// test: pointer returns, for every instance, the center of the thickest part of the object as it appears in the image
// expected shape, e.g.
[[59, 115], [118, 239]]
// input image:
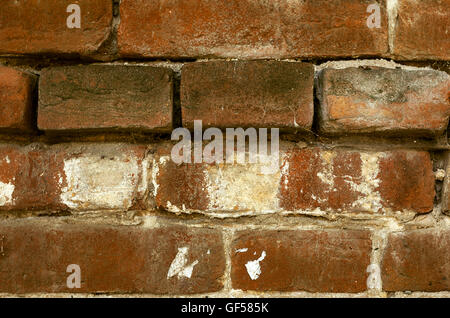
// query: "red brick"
[[345, 180], [116, 259], [384, 101], [105, 97], [417, 260], [16, 98], [248, 94], [407, 181], [72, 177], [313, 261], [335, 181], [182, 186], [422, 30], [40, 27], [249, 29], [28, 178]]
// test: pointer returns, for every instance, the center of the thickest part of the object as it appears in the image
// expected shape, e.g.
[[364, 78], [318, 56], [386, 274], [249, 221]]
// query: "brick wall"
[[356, 203]]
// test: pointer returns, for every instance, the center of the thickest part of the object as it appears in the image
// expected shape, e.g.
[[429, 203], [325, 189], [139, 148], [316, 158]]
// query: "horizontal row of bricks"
[[134, 259], [418, 29], [222, 94], [120, 177]]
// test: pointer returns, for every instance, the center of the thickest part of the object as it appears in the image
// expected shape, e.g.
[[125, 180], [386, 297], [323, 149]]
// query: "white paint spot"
[[179, 267], [253, 267], [96, 183], [370, 200], [327, 176], [242, 250], [246, 187], [285, 171], [7, 159], [6, 192], [155, 172]]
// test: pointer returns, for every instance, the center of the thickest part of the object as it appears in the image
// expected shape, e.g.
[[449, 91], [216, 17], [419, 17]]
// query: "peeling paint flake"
[[6, 192], [179, 265], [96, 183], [254, 268]]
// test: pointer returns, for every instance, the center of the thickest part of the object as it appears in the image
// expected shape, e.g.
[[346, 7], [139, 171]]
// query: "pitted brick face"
[[40, 27], [249, 29], [104, 97], [342, 180], [17, 92], [384, 101], [417, 261], [248, 94], [422, 30], [308, 180]]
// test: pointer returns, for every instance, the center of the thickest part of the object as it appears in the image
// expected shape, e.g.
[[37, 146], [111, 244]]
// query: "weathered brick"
[[314, 261], [101, 97], [345, 180], [417, 260], [446, 186], [117, 259], [102, 176], [248, 94], [72, 177], [28, 178], [381, 100], [216, 187], [16, 99], [250, 28], [422, 30], [40, 27], [306, 179]]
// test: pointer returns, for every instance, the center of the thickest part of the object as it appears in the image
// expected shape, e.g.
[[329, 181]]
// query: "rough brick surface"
[[422, 30], [105, 97], [112, 259], [417, 261], [16, 99], [348, 180], [314, 261], [36, 27], [28, 178], [71, 177], [248, 94], [249, 28], [379, 100], [446, 186], [301, 179]]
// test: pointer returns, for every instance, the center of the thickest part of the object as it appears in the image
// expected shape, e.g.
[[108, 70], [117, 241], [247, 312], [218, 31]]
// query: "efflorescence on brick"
[[351, 200]]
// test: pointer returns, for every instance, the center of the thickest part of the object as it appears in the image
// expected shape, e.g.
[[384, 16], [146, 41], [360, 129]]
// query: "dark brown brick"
[[250, 28], [116, 259], [417, 260], [314, 261], [248, 94], [104, 97]]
